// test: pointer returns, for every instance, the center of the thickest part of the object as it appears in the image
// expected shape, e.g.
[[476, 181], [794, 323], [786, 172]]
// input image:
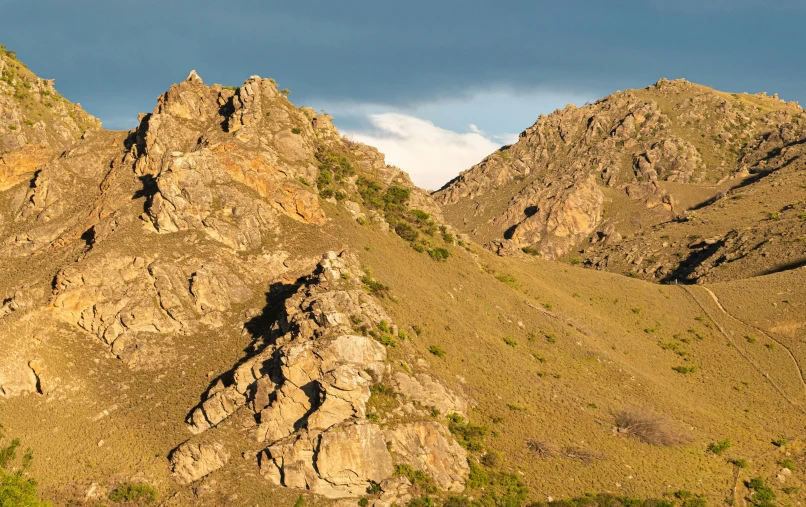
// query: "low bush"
[[468, 435], [139, 493], [719, 447], [439, 254], [762, 495], [437, 351]]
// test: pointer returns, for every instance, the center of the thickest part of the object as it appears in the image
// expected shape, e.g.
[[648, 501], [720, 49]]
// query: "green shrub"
[[740, 463], [510, 341], [16, 488], [403, 335], [507, 279], [326, 193], [387, 340], [530, 250], [341, 195], [788, 463], [779, 442], [296, 130], [418, 247], [437, 351], [685, 369], [286, 92], [304, 181], [763, 495], [325, 178], [12, 127], [468, 435], [575, 261], [439, 254], [719, 447], [140, 493], [406, 231], [30, 123], [300, 501], [374, 287]]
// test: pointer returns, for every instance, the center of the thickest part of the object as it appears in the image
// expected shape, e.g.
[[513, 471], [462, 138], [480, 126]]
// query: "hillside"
[[666, 183], [233, 305]]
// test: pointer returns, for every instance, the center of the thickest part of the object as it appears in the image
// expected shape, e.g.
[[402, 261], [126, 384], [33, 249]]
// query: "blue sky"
[[414, 76]]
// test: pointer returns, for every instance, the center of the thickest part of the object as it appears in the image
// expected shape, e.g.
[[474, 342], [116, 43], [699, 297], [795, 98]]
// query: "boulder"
[[192, 461]]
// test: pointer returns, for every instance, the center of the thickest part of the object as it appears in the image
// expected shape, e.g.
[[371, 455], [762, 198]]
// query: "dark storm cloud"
[[116, 57]]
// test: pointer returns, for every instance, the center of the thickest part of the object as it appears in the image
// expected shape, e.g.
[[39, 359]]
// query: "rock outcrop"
[[612, 164], [190, 462], [308, 388]]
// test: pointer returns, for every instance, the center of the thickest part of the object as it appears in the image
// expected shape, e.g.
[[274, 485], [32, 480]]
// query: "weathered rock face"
[[308, 389], [339, 462], [723, 238], [632, 146], [123, 300], [557, 221], [33, 113], [191, 462], [429, 446]]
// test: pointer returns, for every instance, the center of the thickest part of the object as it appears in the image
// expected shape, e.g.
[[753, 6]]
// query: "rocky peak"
[[36, 123], [627, 146]]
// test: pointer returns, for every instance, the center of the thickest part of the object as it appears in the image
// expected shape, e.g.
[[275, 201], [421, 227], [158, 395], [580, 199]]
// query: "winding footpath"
[[747, 358]]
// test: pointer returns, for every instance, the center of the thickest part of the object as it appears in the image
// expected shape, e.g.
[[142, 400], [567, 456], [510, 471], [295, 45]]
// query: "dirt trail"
[[747, 358], [783, 346]]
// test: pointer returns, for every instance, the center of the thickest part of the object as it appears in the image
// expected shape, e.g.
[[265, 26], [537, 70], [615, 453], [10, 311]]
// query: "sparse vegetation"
[[762, 495], [507, 279], [437, 351], [374, 287], [140, 494], [719, 447], [470, 436]]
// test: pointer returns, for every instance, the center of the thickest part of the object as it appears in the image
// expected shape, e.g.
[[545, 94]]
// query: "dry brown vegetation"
[[647, 427]]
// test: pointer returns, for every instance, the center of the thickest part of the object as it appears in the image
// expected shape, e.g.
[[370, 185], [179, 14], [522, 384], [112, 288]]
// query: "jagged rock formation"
[[753, 227], [36, 123], [605, 170], [308, 388]]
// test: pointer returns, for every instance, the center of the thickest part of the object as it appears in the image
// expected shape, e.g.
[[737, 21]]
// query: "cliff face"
[[595, 174]]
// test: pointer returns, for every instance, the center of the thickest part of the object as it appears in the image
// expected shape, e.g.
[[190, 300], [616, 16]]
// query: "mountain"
[[673, 182], [231, 304]]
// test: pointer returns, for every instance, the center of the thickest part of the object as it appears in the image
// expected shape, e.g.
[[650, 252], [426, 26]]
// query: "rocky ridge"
[[305, 392], [36, 123], [602, 171]]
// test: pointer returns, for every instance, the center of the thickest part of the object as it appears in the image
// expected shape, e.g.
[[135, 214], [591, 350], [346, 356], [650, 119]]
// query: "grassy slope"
[[462, 307]]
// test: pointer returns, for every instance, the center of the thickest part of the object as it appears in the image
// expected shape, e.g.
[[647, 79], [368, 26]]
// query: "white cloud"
[[430, 154]]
